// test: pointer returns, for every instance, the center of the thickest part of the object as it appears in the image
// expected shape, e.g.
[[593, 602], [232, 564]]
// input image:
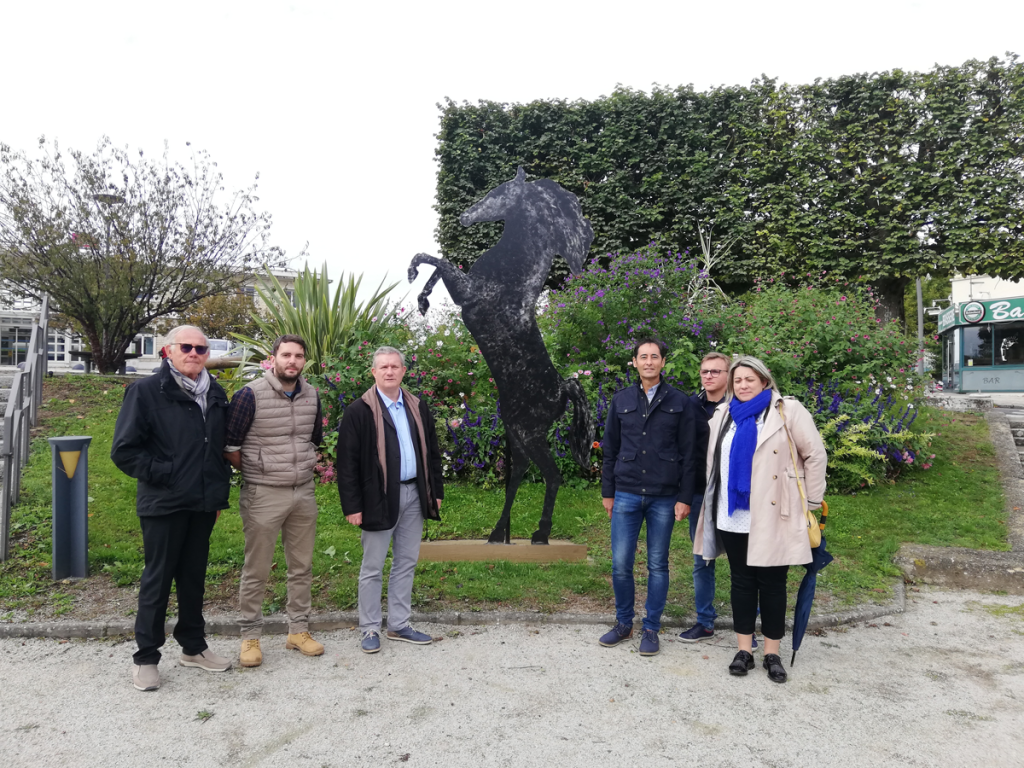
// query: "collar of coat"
[[412, 407], [772, 422], [278, 387]]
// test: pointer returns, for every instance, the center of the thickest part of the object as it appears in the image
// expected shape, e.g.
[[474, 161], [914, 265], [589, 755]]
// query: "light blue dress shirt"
[[408, 450]]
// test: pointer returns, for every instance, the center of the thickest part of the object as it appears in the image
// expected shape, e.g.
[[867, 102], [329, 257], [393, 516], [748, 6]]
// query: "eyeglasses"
[[201, 349], [712, 374]]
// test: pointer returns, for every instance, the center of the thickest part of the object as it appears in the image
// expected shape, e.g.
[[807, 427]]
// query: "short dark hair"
[[650, 340], [289, 338]]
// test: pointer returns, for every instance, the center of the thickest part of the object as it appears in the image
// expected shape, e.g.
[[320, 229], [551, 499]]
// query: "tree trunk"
[[889, 293], [105, 356]]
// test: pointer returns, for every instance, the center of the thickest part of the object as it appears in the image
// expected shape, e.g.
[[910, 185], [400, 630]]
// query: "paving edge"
[[1011, 476], [329, 622]]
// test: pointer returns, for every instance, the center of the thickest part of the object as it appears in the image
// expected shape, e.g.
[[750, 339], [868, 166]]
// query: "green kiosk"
[[983, 346]]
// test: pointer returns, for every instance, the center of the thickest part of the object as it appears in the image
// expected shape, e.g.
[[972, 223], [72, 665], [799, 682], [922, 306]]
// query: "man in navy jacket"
[[648, 476]]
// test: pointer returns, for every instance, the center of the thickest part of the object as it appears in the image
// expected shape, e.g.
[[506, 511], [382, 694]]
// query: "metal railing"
[[21, 415]]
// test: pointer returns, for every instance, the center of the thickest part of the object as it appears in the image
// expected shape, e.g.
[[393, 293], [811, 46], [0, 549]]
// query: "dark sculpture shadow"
[[498, 298]]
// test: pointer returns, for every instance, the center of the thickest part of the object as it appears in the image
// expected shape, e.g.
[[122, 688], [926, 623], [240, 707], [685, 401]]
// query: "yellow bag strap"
[[792, 455]]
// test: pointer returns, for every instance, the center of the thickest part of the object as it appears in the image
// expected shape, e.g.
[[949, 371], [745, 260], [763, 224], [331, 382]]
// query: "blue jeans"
[[703, 574], [628, 514]]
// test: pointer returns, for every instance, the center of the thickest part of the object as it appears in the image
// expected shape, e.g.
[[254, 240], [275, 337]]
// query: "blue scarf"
[[741, 454]]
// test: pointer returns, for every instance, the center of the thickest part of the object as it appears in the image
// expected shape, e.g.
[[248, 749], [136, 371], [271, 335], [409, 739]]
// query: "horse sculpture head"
[[544, 208]]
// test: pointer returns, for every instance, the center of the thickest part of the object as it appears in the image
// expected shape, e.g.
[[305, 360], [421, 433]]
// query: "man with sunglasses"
[[274, 430], [714, 377], [170, 437]]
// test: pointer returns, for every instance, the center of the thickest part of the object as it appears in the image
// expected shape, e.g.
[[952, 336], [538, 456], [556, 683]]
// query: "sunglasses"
[[201, 349]]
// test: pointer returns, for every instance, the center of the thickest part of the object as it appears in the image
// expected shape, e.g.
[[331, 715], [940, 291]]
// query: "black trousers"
[[752, 584], [177, 547]]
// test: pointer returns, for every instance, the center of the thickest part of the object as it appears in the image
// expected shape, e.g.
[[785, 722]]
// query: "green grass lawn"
[[958, 502]]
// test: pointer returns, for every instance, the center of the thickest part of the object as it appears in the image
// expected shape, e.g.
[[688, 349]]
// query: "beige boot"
[[251, 655], [304, 642]]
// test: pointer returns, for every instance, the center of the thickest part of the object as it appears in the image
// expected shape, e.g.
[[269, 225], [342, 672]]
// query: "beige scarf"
[[412, 407]]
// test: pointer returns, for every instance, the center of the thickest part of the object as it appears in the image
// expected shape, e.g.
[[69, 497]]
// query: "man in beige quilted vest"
[[274, 429]]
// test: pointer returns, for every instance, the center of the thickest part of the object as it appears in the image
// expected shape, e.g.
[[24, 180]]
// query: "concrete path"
[[941, 684]]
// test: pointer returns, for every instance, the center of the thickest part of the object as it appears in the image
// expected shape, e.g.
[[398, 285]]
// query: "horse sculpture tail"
[[582, 434]]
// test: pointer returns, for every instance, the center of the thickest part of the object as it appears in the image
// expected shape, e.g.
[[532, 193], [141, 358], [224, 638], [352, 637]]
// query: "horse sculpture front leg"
[[454, 279]]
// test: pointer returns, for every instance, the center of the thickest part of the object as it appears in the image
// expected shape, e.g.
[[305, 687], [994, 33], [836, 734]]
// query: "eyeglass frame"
[[714, 374]]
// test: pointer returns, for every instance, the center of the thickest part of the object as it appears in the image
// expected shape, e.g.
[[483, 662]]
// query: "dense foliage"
[[884, 176]]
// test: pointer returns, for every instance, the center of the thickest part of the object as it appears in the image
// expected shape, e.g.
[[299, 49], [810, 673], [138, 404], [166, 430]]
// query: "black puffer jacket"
[[162, 440]]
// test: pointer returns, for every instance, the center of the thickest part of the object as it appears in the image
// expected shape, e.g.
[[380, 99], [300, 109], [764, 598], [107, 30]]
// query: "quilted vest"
[[278, 449]]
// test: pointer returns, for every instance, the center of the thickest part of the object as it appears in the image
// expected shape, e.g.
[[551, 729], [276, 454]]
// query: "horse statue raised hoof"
[[498, 297]]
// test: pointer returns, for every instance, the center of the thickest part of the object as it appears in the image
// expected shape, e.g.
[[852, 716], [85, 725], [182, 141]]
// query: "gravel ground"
[[941, 684]]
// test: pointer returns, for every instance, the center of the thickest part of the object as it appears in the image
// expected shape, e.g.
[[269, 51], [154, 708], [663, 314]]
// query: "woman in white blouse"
[[753, 505]]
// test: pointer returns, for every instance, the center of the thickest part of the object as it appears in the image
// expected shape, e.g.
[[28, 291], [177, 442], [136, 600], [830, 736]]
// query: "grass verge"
[[958, 502]]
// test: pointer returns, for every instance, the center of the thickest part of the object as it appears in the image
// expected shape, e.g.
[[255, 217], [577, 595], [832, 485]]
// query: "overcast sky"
[[335, 104]]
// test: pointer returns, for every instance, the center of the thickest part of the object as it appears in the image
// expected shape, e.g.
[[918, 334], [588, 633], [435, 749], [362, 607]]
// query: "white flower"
[[447, 332], [440, 343], [910, 406], [462, 394], [463, 405]]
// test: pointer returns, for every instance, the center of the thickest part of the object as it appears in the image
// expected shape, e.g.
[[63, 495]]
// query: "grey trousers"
[[405, 537]]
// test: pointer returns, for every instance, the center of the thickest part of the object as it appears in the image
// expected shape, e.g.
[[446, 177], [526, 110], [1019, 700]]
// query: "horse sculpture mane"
[[498, 298]]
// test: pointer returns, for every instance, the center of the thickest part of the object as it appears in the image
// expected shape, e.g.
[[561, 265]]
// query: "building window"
[[147, 345], [1009, 344], [977, 345]]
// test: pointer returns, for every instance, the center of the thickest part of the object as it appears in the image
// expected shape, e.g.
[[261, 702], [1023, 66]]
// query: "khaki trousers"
[[266, 511]]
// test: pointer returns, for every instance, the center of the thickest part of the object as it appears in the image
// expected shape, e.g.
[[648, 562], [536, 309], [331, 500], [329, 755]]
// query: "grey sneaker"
[[145, 677], [207, 660]]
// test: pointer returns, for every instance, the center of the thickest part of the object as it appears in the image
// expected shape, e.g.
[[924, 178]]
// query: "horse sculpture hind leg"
[[518, 462], [540, 452]]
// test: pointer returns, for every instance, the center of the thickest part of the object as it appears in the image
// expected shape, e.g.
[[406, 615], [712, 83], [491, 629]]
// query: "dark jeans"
[[629, 513], [751, 583], [703, 574], [177, 548]]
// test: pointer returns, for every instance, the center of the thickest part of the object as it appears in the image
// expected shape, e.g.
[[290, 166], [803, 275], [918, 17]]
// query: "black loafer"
[[776, 672], [742, 663]]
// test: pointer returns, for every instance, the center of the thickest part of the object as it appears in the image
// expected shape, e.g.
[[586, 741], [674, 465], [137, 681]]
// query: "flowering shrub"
[[594, 321], [826, 331], [868, 437]]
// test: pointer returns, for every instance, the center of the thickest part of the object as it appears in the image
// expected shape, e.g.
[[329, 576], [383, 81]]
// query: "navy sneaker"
[[753, 643], [696, 633], [649, 645], [615, 636], [409, 635], [371, 642]]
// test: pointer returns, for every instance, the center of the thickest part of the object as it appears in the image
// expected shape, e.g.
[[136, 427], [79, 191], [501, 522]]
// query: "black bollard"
[[70, 507]]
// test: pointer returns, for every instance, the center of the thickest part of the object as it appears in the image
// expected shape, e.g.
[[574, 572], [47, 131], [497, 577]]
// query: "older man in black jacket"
[[647, 477], [170, 437], [389, 481]]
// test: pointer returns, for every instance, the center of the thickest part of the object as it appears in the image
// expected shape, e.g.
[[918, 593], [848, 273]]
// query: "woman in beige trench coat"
[[753, 511]]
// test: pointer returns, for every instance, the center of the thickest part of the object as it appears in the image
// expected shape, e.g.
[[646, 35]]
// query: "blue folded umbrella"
[[805, 596]]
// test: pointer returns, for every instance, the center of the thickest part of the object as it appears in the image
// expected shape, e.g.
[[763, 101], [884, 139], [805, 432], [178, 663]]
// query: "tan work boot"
[[305, 643], [251, 655], [145, 677]]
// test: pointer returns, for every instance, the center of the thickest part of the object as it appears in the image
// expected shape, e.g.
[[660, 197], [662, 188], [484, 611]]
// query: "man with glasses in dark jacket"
[[170, 437], [647, 478]]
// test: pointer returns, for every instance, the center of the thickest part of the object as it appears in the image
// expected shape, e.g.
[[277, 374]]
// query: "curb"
[[329, 622]]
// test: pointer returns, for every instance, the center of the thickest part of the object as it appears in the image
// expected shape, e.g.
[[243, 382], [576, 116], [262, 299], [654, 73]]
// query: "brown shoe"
[[305, 643], [251, 655], [145, 677]]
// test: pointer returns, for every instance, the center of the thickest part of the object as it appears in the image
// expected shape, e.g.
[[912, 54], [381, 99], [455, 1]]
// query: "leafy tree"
[[219, 316], [118, 240]]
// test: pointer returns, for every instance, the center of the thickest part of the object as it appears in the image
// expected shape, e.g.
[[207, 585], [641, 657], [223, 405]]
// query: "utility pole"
[[920, 329]]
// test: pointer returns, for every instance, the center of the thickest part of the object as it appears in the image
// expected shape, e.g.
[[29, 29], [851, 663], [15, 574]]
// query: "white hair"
[[387, 351], [179, 329]]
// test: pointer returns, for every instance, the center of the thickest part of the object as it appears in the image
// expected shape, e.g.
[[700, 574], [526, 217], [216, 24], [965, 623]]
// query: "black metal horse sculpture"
[[498, 298]]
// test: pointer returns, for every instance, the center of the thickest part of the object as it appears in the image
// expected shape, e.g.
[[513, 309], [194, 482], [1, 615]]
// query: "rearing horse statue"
[[498, 298]]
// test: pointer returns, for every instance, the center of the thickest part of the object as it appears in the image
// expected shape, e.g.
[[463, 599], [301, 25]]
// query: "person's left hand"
[[682, 511], [438, 505]]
